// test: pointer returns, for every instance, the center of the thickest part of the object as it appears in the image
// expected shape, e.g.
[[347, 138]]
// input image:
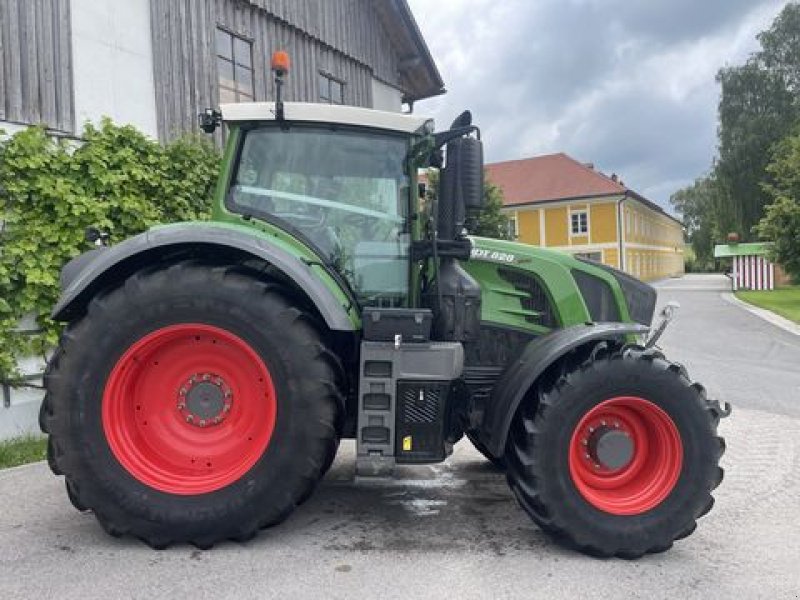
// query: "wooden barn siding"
[[36, 63], [350, 26], [184, 51]]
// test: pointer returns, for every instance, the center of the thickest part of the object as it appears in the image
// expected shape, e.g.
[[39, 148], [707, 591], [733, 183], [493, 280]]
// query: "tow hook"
[[667, 314]]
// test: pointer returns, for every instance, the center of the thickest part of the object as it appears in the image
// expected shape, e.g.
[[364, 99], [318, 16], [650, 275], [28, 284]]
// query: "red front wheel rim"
[[641, 475], [189, 409]]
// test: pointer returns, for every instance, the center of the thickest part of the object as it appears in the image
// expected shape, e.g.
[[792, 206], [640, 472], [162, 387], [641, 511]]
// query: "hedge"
[[116, 179]]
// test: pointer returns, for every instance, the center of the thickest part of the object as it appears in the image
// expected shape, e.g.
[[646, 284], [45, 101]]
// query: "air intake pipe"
[[455, 296]]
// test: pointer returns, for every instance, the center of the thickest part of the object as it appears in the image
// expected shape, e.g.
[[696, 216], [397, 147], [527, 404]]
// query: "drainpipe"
[[621, 232]]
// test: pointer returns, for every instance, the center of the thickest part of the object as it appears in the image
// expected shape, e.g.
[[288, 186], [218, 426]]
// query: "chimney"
[[589, 166], [614, 177]]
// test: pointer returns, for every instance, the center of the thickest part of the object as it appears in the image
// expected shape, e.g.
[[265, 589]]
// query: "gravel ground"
[[453, 530]]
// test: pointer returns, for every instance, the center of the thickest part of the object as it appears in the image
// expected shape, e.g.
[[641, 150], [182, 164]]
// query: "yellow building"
[[558, 202]]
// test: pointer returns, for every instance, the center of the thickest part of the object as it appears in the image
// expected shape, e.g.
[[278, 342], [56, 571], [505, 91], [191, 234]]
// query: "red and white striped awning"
[[753, 273]]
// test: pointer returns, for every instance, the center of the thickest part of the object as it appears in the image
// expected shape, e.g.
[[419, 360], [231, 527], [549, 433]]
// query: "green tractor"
[[208, 370]]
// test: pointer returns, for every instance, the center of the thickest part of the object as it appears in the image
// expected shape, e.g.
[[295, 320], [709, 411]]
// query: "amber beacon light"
[[280, 62]]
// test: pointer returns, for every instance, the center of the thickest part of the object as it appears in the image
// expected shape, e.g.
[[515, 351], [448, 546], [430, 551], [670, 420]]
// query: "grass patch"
[[784, 301], [22, 450]]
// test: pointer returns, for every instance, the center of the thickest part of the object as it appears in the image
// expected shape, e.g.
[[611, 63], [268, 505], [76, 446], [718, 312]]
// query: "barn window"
[[234, 67], [331, 89]]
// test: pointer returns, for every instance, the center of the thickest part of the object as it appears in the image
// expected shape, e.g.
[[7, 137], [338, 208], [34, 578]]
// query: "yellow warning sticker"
[[407, 443]]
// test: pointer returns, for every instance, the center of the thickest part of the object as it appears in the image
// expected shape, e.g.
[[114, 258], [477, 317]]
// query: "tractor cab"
[[341, 179]]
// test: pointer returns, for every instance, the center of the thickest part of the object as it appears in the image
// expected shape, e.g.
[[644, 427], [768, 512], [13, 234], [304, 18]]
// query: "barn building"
[[157, 63]]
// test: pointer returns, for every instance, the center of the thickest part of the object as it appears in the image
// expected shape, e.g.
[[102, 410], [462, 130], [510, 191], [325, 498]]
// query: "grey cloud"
[[581, 76]]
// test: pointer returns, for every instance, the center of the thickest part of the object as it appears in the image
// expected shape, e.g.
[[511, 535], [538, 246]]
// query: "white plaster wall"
[[385, 97], [112, 55], [9, 129]]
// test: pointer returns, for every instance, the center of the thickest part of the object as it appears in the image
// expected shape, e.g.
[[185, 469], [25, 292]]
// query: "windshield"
[[345, 192]]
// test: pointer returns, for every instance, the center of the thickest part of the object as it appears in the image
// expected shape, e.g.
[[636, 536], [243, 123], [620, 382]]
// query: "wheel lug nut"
[[591, 429], [181, 406], [586, 456], [603, 423], [202, 422], [189, 418], [585, 442]]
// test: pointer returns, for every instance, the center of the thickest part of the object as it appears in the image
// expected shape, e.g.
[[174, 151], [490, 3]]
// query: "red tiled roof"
[[550, 177]]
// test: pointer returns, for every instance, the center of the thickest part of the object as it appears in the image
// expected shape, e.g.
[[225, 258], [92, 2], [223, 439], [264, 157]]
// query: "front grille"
[[537, 299], [598, 297], [640, 297]]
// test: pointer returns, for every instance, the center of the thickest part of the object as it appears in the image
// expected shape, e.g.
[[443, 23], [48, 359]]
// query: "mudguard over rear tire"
[[661, 450], [192, 404]]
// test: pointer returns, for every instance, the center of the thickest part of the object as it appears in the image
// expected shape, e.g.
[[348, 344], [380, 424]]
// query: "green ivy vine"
[[116, 179]]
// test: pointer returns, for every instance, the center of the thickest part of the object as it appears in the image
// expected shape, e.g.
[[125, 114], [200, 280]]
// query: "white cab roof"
[[325, 113]]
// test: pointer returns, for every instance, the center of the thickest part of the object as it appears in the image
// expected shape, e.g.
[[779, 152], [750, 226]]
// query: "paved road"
[[735, 354], [453, 530]]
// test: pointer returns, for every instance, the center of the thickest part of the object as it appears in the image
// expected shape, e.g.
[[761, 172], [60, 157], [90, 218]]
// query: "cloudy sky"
[[626, 84]]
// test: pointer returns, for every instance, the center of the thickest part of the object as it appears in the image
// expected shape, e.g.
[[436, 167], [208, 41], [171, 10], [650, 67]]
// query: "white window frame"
[[513, 219], [578, 212]]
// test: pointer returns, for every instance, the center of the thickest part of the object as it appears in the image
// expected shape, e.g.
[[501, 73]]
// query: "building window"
[[513, 227], [331, 90], [234, 68], [579, 220]]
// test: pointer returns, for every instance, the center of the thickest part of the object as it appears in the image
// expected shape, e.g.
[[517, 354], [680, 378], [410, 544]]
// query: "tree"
[[698, 204], [781, 222], [491, 222], [759, 104]]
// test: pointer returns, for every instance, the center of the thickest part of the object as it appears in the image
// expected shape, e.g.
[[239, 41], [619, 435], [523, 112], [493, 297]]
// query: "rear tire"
[[131, 362], [665, 477]]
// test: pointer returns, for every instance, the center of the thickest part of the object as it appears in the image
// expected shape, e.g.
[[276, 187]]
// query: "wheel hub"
[[610, 448], [204, 400], [626, 455]]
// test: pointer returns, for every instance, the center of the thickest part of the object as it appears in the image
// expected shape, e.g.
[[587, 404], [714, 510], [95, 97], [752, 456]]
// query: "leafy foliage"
[[117, 180], [698, 204], [759, 105], [491, 222], [781, 223]]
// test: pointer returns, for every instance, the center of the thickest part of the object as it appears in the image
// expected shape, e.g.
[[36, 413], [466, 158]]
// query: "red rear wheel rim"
[[654, 466], [188, 409]]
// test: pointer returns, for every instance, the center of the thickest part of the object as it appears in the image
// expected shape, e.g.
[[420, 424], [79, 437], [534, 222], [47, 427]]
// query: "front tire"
[[617, 454], [193, 404]]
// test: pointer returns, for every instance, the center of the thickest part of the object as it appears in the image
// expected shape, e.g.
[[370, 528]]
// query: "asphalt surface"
[[453, 530]]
